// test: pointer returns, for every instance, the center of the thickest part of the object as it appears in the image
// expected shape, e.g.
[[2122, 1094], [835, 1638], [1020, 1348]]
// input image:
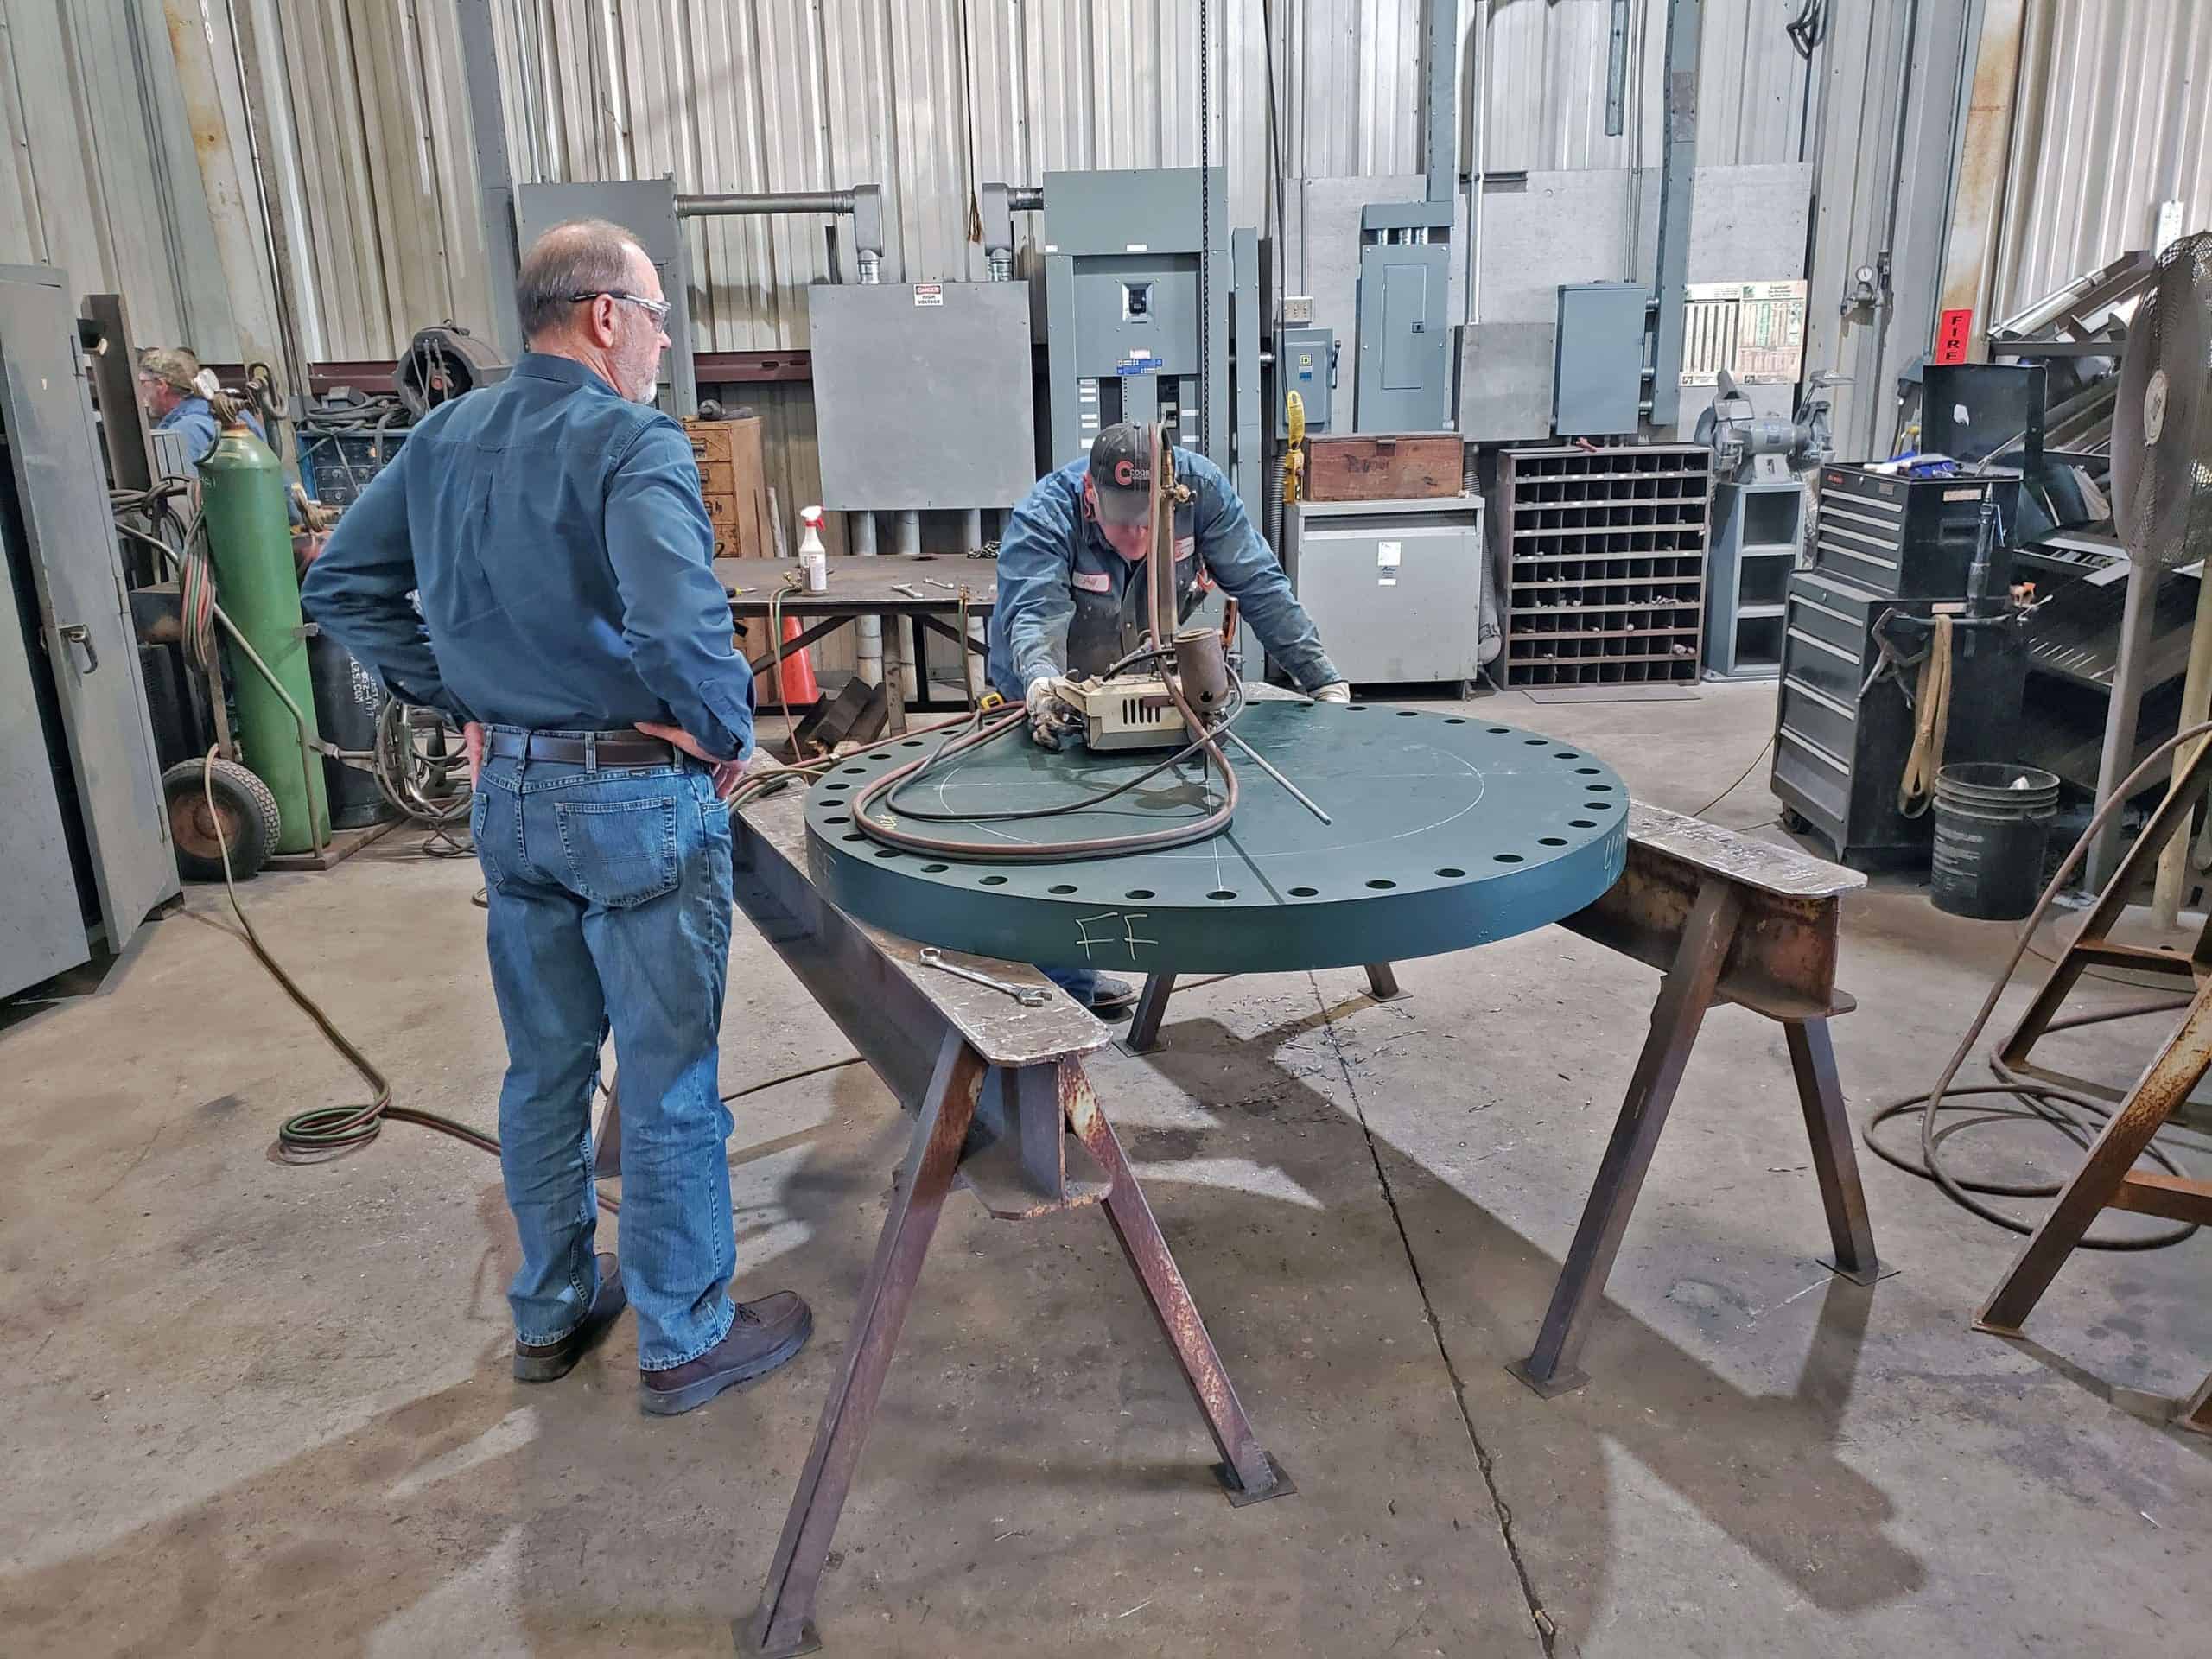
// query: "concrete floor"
[[254, 1410]]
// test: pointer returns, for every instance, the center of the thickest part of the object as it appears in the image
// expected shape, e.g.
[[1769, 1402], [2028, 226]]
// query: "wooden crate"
[[1382, 466], [734, 484]]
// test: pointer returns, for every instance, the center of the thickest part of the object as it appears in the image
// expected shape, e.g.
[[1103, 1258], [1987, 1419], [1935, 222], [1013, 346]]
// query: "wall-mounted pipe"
[[863, 203], [765, 201]]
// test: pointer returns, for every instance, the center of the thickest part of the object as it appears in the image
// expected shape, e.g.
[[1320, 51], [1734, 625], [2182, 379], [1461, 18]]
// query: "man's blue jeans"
[[609, 892], [1081, 983]]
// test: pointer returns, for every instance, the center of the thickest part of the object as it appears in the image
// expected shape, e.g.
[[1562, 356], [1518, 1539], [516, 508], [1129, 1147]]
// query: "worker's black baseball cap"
[[1121, 466]]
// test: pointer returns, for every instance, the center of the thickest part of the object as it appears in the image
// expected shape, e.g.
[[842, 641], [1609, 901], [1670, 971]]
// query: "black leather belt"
[[615, 749]]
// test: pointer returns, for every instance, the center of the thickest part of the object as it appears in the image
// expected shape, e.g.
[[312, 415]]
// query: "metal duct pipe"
[[864, 202], [1025, 198], [868, 632], [765, 201], [910, 542]]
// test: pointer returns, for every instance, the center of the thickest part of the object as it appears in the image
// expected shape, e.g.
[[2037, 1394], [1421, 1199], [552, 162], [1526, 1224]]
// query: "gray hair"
[[584, 256]]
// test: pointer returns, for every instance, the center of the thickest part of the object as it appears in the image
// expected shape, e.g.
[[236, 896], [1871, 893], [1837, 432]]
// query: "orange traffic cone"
[[798, 687]]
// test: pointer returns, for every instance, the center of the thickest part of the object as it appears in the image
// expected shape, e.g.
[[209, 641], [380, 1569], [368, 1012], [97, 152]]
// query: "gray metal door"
[[85, 617], [40, 933]]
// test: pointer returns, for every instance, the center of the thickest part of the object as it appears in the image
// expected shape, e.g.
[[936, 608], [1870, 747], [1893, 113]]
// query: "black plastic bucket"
[[1992, 824], [348, 700]]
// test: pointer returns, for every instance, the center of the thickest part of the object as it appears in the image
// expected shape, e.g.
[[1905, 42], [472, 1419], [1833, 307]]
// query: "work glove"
[[1054, 715], [1334, 691]]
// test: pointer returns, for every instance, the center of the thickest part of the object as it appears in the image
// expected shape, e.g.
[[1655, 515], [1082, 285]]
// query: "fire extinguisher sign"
[[1952, 335]]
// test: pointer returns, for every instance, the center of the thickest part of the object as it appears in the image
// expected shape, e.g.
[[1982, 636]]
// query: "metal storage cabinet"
[[1395, 587], [1911, 537], [1756, 531], [1839, 744]]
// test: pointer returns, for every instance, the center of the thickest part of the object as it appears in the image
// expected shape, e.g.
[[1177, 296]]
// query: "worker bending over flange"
[[1072, 597]]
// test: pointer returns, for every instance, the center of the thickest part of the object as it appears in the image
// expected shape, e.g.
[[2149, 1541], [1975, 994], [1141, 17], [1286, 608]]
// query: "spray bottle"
[[813, 557]]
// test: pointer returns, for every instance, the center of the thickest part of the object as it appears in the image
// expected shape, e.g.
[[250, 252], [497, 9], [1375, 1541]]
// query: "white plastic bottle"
[[813, 557]]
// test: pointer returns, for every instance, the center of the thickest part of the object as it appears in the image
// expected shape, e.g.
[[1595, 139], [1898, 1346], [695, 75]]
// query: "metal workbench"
[[884, 586]]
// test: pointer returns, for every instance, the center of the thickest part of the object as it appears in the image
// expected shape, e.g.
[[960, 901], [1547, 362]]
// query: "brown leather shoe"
[[765, 1335], [544, 1362]]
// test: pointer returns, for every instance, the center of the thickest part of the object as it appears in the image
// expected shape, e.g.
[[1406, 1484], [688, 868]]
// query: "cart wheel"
[[245, 810]]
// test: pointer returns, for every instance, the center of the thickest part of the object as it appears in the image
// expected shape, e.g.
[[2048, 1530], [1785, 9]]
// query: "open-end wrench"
[[1030, 996]]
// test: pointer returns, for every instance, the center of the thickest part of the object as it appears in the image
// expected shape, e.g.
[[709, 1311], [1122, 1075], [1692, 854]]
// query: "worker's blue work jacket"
[[195, 418], [1069, 604], [564, 561]]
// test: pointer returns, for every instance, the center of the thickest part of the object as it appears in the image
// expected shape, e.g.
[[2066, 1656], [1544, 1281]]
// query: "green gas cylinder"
[[250, 537]]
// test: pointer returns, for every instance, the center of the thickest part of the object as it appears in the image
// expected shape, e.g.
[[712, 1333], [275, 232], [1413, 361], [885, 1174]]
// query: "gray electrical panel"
[[889, 360], [646, 208], [1305, 363], [1598, 383], [1147, 294], [1395, 587], [1405, 340], [1131, 332]]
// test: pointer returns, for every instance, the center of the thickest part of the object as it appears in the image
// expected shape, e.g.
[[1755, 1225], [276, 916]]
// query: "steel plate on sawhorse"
[[1447, 830]]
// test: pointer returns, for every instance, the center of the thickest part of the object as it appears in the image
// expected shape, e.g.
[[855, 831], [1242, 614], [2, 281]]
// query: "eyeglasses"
[[657, 309]]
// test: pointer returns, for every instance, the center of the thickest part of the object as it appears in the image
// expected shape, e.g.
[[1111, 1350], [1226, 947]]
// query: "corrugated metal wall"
[[1544, 97], [926, 97], [124, 122], [929, 98], [104, 178], [2115, 116]]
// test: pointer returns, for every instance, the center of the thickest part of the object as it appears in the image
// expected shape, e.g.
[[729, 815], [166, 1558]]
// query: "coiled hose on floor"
[[322, 1133], [2079, 1117]]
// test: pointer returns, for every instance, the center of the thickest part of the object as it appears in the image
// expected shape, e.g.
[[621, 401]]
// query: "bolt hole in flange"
[[1380, 885], [1061, 887], [1221, 892], [1449, 874], [993, 882], [1304, 893]]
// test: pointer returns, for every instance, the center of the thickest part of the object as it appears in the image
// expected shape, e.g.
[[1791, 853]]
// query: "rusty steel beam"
[[877, 1007], [712, 368], [784, 1623], [1978, 195], [1246, 1470], [2195, 1413], [1828, 1126], [1781, 962], [2182, 1060], [1684, 995]]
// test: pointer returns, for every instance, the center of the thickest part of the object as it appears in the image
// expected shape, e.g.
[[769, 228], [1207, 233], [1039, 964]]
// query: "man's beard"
[[640, 379]]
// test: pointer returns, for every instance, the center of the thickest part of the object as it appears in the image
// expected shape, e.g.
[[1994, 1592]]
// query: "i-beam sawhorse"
[[1002, 1105], [1726, 919]]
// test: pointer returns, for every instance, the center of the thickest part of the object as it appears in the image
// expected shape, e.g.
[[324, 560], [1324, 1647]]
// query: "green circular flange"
[[1448, 831]]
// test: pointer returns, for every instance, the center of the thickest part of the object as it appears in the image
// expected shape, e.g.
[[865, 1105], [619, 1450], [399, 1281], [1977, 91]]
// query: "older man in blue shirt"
[[175, 388], [1071, 596], [553, 528]]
